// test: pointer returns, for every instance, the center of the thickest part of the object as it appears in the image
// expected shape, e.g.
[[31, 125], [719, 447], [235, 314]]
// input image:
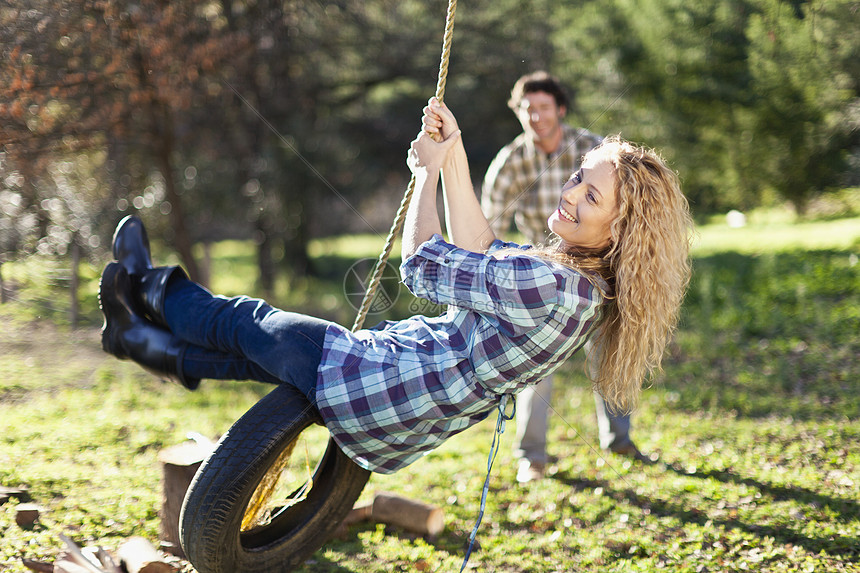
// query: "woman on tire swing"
[[616, 270]]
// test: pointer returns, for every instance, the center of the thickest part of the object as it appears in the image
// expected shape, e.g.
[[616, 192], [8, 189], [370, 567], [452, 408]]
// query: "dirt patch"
[[59, 357], [45, 341]]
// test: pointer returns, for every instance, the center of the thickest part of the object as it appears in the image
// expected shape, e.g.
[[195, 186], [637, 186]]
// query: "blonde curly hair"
[[646, 266]]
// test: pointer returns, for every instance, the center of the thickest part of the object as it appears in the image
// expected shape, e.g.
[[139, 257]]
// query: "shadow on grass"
[[845, 546], [847, 508], [319, 563], [346, 541], [769, 334]]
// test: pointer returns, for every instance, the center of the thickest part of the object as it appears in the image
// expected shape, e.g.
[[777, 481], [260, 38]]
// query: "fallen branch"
[[140, 556], [179, 463], [76, 556]]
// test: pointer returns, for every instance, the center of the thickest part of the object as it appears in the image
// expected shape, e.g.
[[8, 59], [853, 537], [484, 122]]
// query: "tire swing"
[[239, 515]]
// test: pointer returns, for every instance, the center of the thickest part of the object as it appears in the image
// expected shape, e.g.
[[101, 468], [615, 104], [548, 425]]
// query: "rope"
[[494, 449], [386, 252], [407, 197]]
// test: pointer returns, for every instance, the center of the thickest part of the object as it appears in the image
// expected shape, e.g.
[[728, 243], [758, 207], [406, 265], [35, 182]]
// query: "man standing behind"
[[524, 181]]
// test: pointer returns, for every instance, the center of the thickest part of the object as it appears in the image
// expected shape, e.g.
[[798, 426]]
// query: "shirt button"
[[447, 260]]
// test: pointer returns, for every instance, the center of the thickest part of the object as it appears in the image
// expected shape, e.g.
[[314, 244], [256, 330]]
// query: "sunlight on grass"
[[772, 237], [762, 235]]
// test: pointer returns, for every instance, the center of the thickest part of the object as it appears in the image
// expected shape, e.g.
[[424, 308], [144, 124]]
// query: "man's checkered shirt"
[[525, 183]]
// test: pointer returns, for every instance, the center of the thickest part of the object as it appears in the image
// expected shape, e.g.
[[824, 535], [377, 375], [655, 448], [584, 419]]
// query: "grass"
[[753, 427], [778, 236]]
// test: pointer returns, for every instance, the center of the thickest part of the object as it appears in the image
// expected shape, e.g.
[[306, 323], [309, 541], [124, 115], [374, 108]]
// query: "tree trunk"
[[264, 257], [73, 284], [181, 240], [2, 285]]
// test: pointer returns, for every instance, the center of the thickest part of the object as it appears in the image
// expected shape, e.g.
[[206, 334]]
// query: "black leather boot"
[[149, 290], [131, 249], [131, 246], [127, 334]]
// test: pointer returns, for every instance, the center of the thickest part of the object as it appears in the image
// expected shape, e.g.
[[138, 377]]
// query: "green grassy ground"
[[753, 428]]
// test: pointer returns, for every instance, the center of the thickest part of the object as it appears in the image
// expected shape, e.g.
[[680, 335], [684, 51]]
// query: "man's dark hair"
[[539, 81]]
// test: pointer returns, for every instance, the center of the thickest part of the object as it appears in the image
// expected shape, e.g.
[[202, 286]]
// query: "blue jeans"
[[243, 338]]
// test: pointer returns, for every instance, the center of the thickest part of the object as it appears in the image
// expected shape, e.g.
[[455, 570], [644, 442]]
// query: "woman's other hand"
[[426, 155]]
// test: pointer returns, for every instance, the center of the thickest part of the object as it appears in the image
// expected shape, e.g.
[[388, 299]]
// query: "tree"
[[672, 75], [91, 75], [805, 88]]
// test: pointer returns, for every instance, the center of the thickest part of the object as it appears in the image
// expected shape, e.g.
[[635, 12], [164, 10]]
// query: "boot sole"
[[109, 306]]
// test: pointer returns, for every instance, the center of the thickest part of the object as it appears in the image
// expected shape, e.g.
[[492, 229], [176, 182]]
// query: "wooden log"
[[178, 465], [409, 514], [26, 514], [101, 558], [17, 492], [396, 510], [21, 493], [140, 556], [39, 566]]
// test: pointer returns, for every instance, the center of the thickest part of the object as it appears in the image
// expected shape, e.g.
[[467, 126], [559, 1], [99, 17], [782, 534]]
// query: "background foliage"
[[282, 120]]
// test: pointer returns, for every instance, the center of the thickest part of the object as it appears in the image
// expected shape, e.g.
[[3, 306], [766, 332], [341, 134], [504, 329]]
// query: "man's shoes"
[[629, 450], [529, 471]]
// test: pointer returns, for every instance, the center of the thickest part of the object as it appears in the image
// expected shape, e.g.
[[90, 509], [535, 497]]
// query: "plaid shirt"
[[392, 393], [525, 183]]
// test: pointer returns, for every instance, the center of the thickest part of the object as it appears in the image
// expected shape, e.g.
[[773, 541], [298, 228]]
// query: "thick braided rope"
[[407, 197]]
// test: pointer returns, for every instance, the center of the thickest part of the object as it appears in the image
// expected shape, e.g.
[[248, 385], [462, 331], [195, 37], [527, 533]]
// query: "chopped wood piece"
[[26, 514], [107, 561], [178, 465], [140, 556], [40, 566], [393, 509], [76, 556], [101, 559], [407, 513], [13, 491]]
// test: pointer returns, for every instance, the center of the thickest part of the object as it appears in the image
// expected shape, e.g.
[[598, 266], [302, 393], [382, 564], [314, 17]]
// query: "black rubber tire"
[[222, 488]]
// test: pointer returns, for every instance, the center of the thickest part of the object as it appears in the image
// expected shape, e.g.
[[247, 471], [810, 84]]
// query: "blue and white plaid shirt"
[[390, 394]]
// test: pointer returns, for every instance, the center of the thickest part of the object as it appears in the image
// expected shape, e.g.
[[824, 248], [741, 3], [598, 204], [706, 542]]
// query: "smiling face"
[[587, 208], [540, 116]]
